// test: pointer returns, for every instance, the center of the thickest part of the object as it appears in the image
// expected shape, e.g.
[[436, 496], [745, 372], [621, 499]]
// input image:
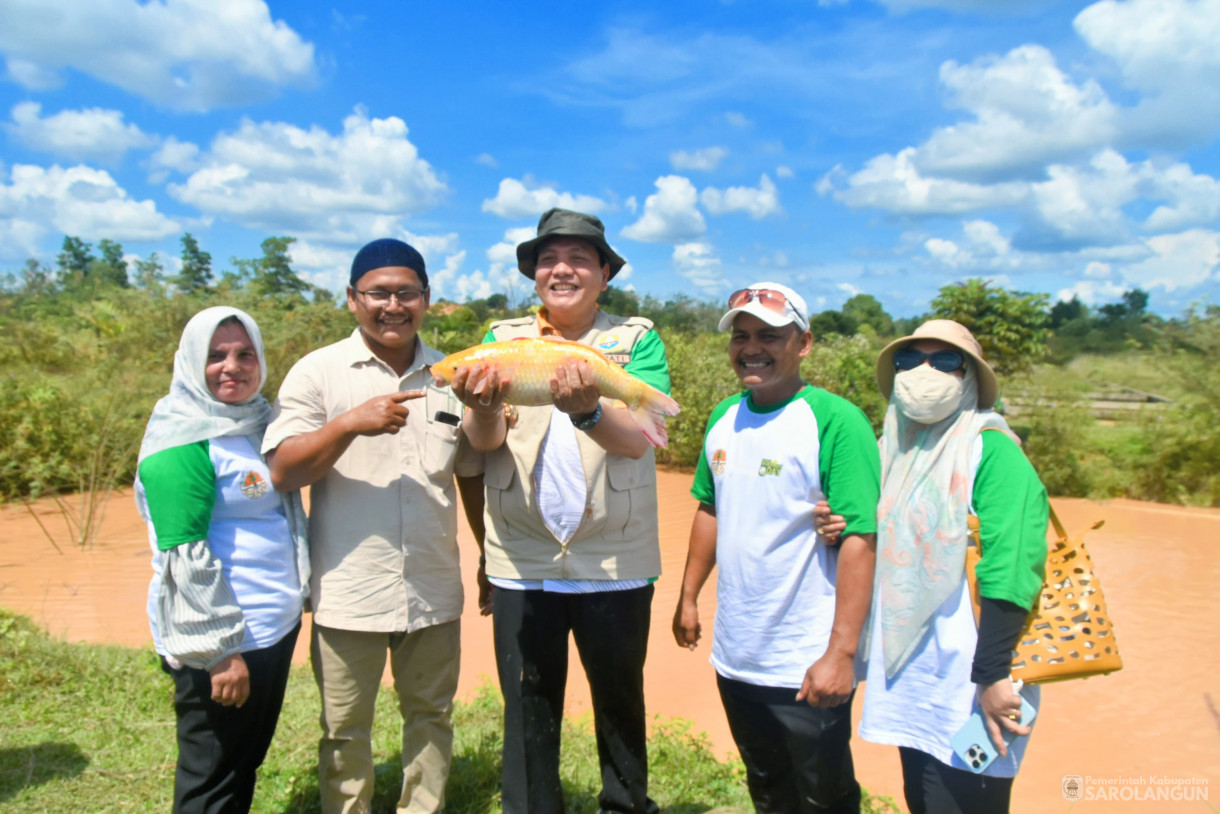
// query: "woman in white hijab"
[[230, 569], [929, 664]]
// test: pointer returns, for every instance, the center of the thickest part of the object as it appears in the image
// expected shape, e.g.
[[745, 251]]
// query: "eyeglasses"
[[405, 296], [770, 299], [946, 361]]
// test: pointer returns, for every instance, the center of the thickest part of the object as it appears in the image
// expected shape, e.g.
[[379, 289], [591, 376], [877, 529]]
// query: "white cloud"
[[81, 135], [1096, 270], [1166, 49], [175, 155], [80, 201], [757, 202], [1177, 261], [783, 171], [738, 120], [184, 54], [342, 188], [1084, 204], [519, 199], [698, 263], [670, 215], [487, 160], [705, 160], [1192, 200], [1091, 292], [1028, 113], [894, 183], [31, 76]]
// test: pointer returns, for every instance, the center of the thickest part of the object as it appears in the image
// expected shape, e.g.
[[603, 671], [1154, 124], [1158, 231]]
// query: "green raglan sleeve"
[[1013, 510], [648, 362], [180, 488], [704, 487], [849, 464]]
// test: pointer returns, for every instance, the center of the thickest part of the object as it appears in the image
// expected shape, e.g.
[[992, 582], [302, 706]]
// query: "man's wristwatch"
[[584, 423]]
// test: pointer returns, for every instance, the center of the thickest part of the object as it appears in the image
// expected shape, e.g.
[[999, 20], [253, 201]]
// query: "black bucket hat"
[[566, 223]]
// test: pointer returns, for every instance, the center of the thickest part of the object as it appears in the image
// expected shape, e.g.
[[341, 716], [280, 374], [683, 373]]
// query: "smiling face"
[[232, 373], [389, 328], [569, 277], [767, 359]]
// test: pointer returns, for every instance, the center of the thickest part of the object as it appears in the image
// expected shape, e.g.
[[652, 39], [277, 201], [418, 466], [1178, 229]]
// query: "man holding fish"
[[358, 421], [571, 515]]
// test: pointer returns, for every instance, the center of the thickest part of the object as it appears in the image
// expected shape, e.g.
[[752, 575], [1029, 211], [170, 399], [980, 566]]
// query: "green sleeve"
[[1012, 508], [648, 362], [849, 464], [180, 489], [704, 487], [490, 337]]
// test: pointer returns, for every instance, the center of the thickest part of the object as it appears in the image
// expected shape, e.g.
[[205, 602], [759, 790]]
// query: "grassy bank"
[[90, 728]]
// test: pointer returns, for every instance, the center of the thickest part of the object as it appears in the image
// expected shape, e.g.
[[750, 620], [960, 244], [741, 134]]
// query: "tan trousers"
[[348, 665]]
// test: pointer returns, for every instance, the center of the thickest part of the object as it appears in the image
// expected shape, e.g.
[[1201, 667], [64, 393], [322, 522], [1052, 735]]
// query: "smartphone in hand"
[[973, 744]]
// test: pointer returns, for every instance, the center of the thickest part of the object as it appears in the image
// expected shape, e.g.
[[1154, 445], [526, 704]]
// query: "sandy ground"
[[1158, 720]]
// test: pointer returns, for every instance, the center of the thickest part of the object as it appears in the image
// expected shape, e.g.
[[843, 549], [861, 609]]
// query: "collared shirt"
[[382, 521]]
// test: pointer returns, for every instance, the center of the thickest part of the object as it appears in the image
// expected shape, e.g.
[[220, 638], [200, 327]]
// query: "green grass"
[[90, 728]]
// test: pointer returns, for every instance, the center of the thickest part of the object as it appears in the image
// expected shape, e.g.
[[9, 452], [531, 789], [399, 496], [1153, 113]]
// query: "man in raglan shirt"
[[789, 608]]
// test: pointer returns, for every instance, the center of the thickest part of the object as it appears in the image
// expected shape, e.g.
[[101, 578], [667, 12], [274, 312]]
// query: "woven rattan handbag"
[[1068, 634]]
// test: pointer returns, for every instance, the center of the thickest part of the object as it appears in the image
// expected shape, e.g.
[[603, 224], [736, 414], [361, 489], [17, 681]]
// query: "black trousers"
[[531, 637], [931, 787], [797, 757], [220, 748]]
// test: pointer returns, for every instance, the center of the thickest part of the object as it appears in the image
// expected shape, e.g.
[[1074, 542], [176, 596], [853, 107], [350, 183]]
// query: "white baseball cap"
[[774, 303]]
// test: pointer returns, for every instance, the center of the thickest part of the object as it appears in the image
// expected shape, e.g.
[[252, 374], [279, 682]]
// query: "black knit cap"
[[566, 223], [387, 252]]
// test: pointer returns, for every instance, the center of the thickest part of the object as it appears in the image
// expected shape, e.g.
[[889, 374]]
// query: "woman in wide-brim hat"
[[929, 664]]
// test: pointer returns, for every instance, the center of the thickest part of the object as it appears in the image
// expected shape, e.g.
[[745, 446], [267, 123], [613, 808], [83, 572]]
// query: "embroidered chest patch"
[[718, 459], [253, 486]]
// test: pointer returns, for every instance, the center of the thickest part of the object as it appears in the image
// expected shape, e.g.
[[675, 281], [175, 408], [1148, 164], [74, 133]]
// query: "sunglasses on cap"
[[768, 298], [946, 361]]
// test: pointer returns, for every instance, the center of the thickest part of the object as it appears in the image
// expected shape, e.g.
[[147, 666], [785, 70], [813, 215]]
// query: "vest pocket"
[[631, 485]]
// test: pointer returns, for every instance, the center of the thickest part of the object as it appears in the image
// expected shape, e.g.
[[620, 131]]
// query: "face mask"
[[926, 395]]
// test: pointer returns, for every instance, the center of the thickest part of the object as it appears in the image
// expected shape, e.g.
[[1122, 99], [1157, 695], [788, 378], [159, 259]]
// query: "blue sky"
[[838, 146]]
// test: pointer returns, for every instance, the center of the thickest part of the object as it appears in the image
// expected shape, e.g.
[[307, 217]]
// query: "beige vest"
[[617, 539]]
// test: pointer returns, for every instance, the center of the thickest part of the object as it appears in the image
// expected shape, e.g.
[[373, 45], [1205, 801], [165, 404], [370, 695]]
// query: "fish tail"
[[650, 414]]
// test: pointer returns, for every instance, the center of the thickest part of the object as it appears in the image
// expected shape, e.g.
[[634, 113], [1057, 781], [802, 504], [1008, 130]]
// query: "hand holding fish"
[[574, 388], [480, 387]]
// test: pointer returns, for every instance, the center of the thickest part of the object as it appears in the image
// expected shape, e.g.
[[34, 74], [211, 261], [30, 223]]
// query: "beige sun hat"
[[953, 333]]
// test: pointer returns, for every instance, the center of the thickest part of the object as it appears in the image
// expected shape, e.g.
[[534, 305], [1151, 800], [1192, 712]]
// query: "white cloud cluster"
[[79, 201], [698, 262], [670, 214], [519, 199], [757, 202], [183, 54], [1050, 153], [703, 160], [342, 188], [80, 135]]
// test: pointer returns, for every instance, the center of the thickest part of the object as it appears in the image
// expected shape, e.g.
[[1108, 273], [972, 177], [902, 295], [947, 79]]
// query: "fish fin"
[[650, 414]]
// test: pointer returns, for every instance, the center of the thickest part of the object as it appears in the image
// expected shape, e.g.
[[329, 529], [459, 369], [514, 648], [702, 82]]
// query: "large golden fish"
[[529, 364]]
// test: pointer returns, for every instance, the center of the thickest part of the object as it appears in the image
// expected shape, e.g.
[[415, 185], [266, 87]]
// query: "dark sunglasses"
[[946, 361]]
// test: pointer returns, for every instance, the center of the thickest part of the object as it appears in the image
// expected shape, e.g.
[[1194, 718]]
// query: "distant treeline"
[[88, 349]]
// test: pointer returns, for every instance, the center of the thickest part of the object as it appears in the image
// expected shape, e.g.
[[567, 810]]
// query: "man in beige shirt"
[[358, 421]]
